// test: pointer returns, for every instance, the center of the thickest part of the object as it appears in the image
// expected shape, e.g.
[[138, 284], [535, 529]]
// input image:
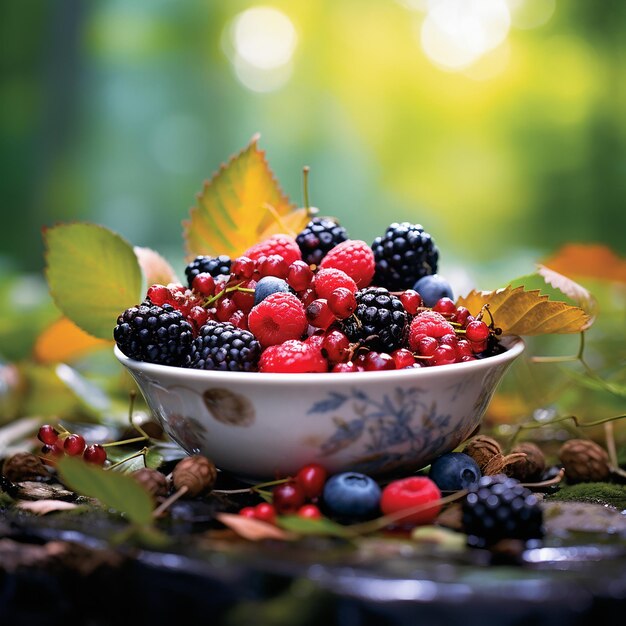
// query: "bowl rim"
[[514, 347]]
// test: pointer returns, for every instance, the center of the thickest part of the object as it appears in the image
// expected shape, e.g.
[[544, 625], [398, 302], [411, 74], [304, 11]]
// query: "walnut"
[[153, 481], [23, 466], [584, 461], [483, 449], [530, 468], [196, 473]]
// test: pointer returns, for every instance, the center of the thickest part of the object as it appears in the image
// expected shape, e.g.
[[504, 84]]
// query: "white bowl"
[[266, 425]]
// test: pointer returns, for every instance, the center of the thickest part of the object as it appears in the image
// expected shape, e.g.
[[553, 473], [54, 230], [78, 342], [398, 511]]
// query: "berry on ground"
[[278, 318], [282, 245], [288, 497], [408, 493], [311, 479], [318, 237], [74, 445], [454, 471], [95, 453], [355, 258], [48, 434], [351, 495], [309, 511]]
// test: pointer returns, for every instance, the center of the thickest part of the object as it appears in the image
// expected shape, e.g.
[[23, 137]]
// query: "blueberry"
[[454, 471], [352, 495], [267, 286], [432, 288]]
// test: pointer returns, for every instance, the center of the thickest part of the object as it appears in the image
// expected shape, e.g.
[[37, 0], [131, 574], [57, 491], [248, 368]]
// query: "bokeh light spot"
[[526, 14]]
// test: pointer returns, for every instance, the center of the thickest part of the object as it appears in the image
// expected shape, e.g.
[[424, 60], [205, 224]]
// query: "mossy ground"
[[598, 493]]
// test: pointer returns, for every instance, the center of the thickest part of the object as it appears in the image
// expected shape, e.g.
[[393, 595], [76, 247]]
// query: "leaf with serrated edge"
[[242, 204], [93, 275], [113, 489], [520, 312]]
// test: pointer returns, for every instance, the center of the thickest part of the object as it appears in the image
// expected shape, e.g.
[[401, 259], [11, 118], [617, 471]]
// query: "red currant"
[[342, 302], [95, 453], [336, 347], [378, 361], [426, 346], [411, 301], [445, 306], [449, 340], [461, 316], [307, 296], [299, 276], [204, 284], [243, 267], [159, 294], [244, 299], [239, 319], [198, 316], [274, 265], [311, 479], [48, 434], [411, 492], [477, 331], [318, 314], [463, 348], [248, 511], [265, 512], [288, 497], [342, 368], [74, 445], [478, 346], [443, 355], [224, 309], [403, 358], [309, 511]]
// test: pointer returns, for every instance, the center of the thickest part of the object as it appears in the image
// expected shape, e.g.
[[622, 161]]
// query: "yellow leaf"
[[155, 268], [590, 260], [63, 341], [242, 204], [520, 312]]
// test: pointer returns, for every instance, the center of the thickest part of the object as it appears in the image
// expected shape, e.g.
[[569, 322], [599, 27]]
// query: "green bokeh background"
[[115, 112]]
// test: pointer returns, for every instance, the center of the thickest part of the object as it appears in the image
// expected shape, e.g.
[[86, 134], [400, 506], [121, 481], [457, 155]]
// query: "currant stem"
[[305, 188], [141, 453], [124, 442], [131, 408], [230, 289], [169, 501]]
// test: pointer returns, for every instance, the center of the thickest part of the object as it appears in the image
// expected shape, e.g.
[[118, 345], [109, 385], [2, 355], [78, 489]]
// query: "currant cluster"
[[57, 444], [318, 302]]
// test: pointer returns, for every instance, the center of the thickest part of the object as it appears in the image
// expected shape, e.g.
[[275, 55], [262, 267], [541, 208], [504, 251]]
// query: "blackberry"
[[155, 334], [214, 265], [379, 321], [403, 255], [319, 236], [499, 507], [223, 346]]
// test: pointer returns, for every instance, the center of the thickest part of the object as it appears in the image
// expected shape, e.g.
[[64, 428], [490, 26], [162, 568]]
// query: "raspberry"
[[329, 279], [223, 346], [407, 493], [403, 255], [355, 258], [318, 237], [215, 266], [292, 357], [379, 320], [277, 318], [428, 324], [499, 507], [155, 334], [281, 245]]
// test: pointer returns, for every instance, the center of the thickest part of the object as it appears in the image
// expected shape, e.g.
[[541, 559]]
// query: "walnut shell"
[[483, 449], [530, 468], [584, 461], [197, 473], [152, 481], [23, 466]]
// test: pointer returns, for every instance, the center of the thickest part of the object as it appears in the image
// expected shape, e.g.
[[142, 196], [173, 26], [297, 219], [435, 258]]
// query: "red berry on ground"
[[95, 453], [265, 512], [299, 276], [248, 511], [288, 497], [309, 511], [48, 434], [283, 245], [292, 357], [278, 318], [311, 479], [355, 258], [411, 492], [74, 445]]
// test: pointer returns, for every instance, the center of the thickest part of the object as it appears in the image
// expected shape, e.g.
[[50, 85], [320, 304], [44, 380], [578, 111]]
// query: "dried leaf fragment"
[[253, 529]]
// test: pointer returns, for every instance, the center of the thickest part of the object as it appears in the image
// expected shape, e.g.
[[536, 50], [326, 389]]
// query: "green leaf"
[[305, 526], [93, 275], [113, 489]]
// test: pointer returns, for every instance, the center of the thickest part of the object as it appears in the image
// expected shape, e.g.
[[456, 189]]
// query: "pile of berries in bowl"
[[315, 348]]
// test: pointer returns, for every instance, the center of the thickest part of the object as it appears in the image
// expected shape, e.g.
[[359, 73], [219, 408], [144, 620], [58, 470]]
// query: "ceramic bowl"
[[263, 425]]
